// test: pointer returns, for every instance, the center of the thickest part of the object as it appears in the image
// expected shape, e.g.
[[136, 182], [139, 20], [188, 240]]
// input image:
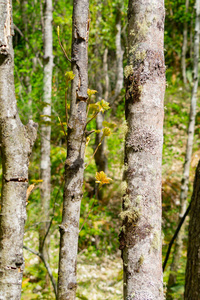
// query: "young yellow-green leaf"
[[87, 141], [111, 125], [58, 30], [102, 178], [104, 105], [106, 131], [95, 107], [91, 92], [37, 180], [69, 76]]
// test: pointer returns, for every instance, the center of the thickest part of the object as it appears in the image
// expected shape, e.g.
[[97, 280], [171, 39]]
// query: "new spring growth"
[[100, 106], [91, 92], [69, 76], [106, 132], [102, 179]]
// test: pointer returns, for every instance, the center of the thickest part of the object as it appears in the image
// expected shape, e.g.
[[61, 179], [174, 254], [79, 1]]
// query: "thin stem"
[[66, 111], [92, 118], [54, 207], [175, 236], [87, 216], [93, 155], [47, 266], [88, 109], [62, 127], [63, 49]]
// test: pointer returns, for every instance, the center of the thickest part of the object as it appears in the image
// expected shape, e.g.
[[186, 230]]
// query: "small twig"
[[63, 50], [27, 40], [93, 155], [87, 133], [88, 108], [47, 266], [92, 118], [87, 216], [51, 221], [66, 111], [175, 235], [62, 127]]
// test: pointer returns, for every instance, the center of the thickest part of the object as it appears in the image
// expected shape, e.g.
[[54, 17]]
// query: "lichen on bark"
[[16, 145], [145, 87]]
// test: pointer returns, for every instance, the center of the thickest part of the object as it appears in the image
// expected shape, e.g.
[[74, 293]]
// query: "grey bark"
[[74, 165], [105, 71], [16, 145], [140, 237], [119, 55], [24, 7], [188, 155], [184, 46], [192, 278], [45, 163]]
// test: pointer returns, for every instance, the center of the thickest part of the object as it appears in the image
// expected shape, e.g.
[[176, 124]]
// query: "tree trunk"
[[119, 55], [184, 46], [192, 278], [16, 145], [100, 156], [188, 156], [140, 237], [45, 163], [24, 9], [74, 165]]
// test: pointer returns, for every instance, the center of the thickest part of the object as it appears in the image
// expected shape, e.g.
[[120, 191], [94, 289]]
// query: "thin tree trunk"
[[140, 237], [100, 157], [119, 55], [105, 71], [24, 9], [184, 46], [192, 278], [45, 163], [191, 36], [188, 156], [74, 165], [16, 146]]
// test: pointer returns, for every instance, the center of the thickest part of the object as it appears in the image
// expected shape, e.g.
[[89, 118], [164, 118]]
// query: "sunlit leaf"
[[106, 131], [102, 178], [91, 92], [69, 76]]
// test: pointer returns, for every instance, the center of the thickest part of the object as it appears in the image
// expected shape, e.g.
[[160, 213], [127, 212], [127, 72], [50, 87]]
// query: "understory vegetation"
[[99, 272]]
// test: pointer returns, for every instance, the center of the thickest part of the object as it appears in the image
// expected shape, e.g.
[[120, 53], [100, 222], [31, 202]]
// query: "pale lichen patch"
[[130, 215], [128, 70], [156, 241]]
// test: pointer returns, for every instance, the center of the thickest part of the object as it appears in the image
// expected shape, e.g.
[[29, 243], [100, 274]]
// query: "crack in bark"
[[16, 179]]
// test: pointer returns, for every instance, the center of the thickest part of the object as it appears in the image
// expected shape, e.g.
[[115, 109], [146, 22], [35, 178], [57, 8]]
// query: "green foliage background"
[[99, 237]]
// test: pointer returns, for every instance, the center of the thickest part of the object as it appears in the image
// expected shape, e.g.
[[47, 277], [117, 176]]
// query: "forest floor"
[[100, 278]]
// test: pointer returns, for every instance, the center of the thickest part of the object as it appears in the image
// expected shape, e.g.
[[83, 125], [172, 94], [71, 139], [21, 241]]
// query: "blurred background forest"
[[99, 263]]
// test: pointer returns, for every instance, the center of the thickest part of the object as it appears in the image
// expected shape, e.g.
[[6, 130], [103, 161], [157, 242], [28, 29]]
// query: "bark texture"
[[16, 145], [188, 155], [27, 81], [192, 278], [140, 237], [45, 163], [184, 46], [119, 54], [74, 165]]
